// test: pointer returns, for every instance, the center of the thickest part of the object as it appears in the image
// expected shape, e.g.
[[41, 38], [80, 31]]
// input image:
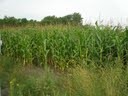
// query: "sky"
[[105, 11]]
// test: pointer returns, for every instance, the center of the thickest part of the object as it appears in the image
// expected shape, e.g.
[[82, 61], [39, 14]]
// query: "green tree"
[[77, 19], [72, 19], [49, 20], [24, 21]]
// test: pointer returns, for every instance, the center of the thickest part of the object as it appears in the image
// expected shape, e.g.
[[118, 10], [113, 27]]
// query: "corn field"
[[64, 61], [65, 46]]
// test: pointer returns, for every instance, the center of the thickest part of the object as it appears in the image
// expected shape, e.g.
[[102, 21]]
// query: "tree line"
[[72, 19]]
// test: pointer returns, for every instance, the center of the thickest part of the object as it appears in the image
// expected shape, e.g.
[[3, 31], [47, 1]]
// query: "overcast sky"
[[91, 10]]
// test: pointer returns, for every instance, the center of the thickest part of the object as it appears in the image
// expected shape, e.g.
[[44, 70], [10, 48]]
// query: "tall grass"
[[77, 82]]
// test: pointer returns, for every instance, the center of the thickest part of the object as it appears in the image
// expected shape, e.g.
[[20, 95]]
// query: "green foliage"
[[49, 20], [14, 22], [72, 19]]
